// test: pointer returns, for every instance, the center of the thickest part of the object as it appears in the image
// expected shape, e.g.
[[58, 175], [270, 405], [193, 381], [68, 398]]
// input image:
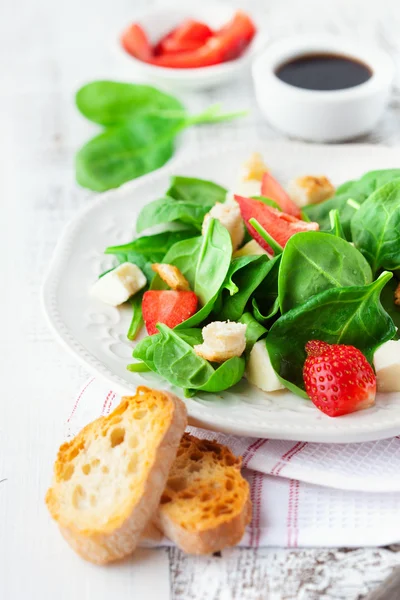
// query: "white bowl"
[[160, 21], [322, 116]]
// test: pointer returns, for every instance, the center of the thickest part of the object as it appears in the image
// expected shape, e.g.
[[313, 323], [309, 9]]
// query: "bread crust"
[[118, 537], [202, 470]]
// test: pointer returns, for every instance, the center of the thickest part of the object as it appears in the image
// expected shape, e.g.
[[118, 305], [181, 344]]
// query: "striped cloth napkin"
[[303, 494]]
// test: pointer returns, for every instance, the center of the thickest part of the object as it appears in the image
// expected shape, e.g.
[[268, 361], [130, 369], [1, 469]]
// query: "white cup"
[[322, 116]]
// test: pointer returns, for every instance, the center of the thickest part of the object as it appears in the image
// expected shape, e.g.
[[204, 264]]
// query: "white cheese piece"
[[222, 340], [387, 366], [310, 190], [252, 248], [259, 370], [228, 214], [117, 286]]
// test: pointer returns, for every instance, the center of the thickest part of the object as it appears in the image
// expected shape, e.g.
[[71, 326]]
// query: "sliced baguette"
[[109, 479], [206, 504]]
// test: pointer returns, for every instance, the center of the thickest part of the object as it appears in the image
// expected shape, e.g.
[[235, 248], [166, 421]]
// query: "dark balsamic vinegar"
[[324, 72]]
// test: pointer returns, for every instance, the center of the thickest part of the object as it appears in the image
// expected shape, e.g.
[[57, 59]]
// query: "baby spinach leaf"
[[185, 256], [144, 350], [359, 190], [244, 276], [122, 153], [177, 362], [266, 295], [137, 316], [138, 367], [191, 336], [167, 210], [152, 246], [196, 191], [111, 103], [313, 262], [387, 299], [212, 267], [253, 330], [350, 315], [225, 376], [214, 260], [375, 228], [272, 312], [336, 226]]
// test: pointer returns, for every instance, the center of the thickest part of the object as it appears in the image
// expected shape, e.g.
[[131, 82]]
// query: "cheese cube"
[[259, 370], [228, 214], [117, 286], [387, 366]]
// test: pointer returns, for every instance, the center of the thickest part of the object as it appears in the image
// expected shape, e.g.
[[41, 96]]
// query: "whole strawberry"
[[338, 378]]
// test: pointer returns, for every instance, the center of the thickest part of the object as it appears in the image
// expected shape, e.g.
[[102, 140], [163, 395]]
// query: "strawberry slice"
[[279, 225], [270, 188], [168, 307], [135, 41], [338, 378]]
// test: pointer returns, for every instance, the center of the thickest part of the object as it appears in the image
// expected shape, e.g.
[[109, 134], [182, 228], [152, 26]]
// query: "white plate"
[[96, 333]]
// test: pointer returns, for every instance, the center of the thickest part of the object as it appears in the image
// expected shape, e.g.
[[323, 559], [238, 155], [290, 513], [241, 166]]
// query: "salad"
[[291, 288]]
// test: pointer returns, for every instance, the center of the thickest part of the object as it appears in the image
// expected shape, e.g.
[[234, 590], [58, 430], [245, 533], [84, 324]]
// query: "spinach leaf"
[[191, 336], [387, 299], [253, 331], [138, 367], [177, 362], [122, 153], [196, 191], [212, 267], [137, 316], [359, 190], [336, 226], [313, 262], [244, 276], [144, 350], [375, 228], [185, 256], [214, 260], [167, 210], [143, 262], [272, 312], [225, 376], [152, 246], [266, 295], [111, 103], [350, 315]]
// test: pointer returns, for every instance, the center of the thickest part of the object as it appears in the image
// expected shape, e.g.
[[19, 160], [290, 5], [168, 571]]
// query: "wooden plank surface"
[[48, 49]]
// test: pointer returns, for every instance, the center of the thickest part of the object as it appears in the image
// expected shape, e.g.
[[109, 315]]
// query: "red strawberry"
[[168, 307], [338, 378], [279, 225], [270, 188]]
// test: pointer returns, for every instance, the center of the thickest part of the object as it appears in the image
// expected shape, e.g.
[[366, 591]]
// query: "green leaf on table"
[[349, 315], [122, 153], [358, 190], [313, 262], [375, 228], [111, 103]]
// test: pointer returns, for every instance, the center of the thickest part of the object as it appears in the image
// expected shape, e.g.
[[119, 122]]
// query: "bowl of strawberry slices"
[[191, 46]]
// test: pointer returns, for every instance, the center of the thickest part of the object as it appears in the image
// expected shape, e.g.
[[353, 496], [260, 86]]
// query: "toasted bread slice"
[[206, 504], [109, 479]]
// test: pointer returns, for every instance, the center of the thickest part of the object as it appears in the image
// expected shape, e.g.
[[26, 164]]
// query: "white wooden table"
[[48, 49]]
